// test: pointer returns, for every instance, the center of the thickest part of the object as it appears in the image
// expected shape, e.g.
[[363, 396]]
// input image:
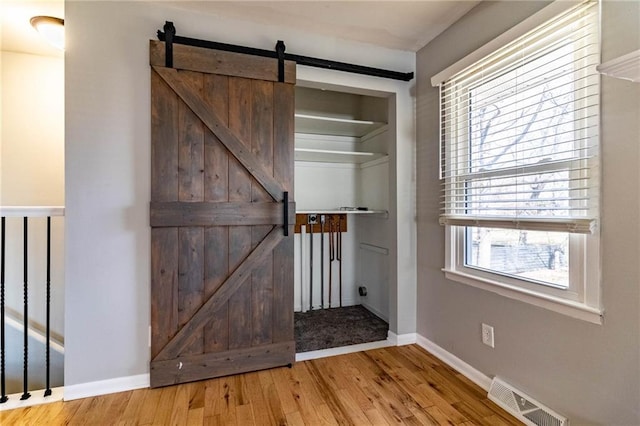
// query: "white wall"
[[325, 186], [107, 168], [32, 158], [588, 372]]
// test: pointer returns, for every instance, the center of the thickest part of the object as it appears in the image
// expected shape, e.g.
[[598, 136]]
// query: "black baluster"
[[47, 391], [3, 397], [26, 394]]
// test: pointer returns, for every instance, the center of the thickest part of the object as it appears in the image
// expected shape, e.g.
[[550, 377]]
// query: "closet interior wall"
[[341, 145]]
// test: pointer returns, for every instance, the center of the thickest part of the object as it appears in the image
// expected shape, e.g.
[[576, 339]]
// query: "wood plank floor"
[[395, 385]]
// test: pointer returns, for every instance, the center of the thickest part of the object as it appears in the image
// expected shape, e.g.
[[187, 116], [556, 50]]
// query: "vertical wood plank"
[[262, 148], [239, 119], [240, 303], [239, 236], [262, 132], [216, 189], [190, 188], [164, 187], [216, 174], [283, 169], [216, 254], [164, 287], [191, 146], [164, 150], [283, 135], [190, 281]]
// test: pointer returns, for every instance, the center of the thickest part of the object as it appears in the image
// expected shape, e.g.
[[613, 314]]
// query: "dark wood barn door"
[[221, 161]]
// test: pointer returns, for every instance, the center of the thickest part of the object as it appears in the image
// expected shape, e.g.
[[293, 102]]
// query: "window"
[[519, 166]]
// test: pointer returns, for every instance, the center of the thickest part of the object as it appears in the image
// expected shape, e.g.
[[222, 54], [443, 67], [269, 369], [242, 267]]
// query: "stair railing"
[[26, 213]]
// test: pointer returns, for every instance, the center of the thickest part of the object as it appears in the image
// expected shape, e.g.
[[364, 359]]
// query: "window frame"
[[584, 275], [581, 300]]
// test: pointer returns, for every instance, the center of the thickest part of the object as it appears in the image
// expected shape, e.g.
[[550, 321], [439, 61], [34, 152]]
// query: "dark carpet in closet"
[[335, 327]]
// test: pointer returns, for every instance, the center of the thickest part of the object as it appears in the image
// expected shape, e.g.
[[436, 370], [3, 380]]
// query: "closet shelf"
[[323, 125], [338, 211], [331, 156]]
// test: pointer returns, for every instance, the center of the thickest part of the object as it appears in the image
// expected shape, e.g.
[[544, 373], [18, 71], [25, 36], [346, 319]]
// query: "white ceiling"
[[16, 32], [403, 25]]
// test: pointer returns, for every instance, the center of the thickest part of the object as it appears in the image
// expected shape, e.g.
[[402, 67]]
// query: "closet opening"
[[343, 232]]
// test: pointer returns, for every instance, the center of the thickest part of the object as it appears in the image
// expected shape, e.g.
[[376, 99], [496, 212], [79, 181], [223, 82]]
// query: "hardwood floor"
[[395, 385]]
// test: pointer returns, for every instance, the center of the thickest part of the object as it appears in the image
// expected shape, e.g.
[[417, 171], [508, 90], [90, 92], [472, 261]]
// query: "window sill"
[[566, 307]]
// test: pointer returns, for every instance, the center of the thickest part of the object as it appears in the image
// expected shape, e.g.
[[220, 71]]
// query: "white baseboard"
[[122, 384], [392, 340], [104, 387], [323, 353], [401, 339], [453, 361], [36, 398]]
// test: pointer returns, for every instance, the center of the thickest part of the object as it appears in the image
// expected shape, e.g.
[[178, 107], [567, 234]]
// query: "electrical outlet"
[[487, 335]]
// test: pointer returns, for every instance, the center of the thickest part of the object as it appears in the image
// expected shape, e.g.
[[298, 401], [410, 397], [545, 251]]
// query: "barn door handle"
[[286, 213]]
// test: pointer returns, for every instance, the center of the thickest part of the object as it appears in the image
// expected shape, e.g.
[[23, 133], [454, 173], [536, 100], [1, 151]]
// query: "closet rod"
[[299, 59]]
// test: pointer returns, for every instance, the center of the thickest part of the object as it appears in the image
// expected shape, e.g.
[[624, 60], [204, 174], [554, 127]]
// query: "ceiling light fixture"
[[51, 28]]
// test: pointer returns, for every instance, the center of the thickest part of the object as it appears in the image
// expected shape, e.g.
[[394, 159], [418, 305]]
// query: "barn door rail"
[[169, 37], [26, 213]]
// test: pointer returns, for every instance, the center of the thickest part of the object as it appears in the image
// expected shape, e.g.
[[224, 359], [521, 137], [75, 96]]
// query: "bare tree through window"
[[522, 120]]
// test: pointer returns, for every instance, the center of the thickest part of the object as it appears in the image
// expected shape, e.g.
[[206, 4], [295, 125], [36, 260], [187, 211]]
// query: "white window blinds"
[[519, 131]]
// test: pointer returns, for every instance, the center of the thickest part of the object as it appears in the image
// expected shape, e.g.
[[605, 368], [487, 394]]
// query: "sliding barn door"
[[221, 265]]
